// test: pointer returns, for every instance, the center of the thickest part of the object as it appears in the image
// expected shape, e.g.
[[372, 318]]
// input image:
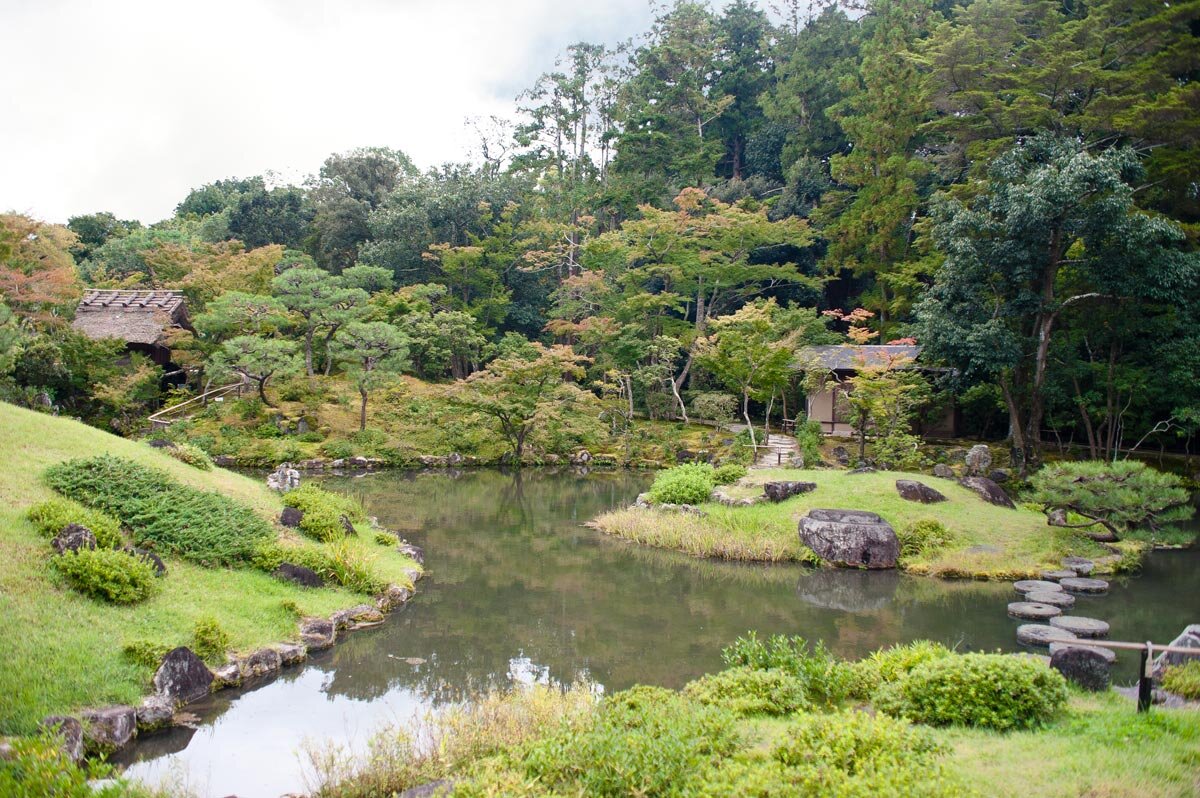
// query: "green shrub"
[[646, 741], [49, 518], [192, 455], [1183, 680], [312, 436], [386, 539], [209, 640], [38, 767], [690, 483], [163, 514], [891, 664], [145, 652], [107, 574], [924, 536], [996, 691], [322, 523], [825, 678], [337, 450], [809, 438], [748, 691], [310, 497], [729, 473], [853, 741]]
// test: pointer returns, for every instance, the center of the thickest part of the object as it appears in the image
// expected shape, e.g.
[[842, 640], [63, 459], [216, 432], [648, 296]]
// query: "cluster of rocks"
[[779, 491], [721, 497], [182, 678], [975, 462]]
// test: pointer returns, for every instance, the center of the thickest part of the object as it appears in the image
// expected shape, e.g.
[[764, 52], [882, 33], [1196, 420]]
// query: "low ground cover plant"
[[192, 455], [1183, 680], [51, 516], [994, 691], [690, 483], [107, 574], [748, 691], [164, 515]]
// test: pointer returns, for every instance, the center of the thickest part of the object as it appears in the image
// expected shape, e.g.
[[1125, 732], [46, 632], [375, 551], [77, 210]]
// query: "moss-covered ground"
[[61, 651], [987, 541]]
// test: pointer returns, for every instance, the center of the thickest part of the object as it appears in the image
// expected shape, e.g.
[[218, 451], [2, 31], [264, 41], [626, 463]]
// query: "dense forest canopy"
[[1011, 183]]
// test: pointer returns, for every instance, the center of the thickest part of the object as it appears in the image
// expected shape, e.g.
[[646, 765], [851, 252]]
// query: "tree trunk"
[[362, 412], [308, 359], [749, 424], [679, 399], [262, 392]]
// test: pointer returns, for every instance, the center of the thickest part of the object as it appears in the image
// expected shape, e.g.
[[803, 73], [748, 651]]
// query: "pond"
[[518, 590]]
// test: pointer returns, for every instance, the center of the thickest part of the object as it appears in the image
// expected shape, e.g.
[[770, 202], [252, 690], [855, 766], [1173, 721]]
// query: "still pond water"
[[518, 590]]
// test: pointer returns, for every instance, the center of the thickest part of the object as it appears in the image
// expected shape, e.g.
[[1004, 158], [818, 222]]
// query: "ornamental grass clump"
[[994, 691], [1183, 680], [107, 574], [339, 562], [691, 483], [163, 514], [825, 678], [729, 473], [51, 516], [209, 640], [922, 537], [747, 691]]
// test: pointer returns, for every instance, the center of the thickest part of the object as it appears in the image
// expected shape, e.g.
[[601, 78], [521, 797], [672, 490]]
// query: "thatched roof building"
[[142, 319]]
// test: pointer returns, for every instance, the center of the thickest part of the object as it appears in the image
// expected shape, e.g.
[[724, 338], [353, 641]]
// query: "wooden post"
[[1145, 695]]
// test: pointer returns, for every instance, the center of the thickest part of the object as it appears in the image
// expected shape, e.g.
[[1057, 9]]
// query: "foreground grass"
[[989, 541], [61, 651]]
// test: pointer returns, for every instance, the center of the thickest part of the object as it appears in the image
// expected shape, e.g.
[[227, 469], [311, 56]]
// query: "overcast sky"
[[124, 105]]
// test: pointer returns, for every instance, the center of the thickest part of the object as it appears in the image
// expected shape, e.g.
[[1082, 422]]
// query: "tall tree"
[[37, 273], [372, 353], [319, 299], [257, 360]]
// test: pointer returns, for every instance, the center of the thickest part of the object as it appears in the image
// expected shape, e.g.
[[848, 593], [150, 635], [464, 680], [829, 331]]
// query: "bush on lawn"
[[107, 574], [747, 691], [51, 516], [690, 483]]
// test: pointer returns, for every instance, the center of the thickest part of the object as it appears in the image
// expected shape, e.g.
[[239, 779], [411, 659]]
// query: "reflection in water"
[[519, 591]]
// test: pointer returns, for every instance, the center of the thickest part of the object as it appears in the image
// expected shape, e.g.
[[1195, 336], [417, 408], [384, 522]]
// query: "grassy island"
[[982, 540], [62, 650]]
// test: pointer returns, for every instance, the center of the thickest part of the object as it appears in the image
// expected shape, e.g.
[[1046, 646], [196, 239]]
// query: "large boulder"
[[182, 676], [72, 538], [915, 491], [70, 734], [299, 574], [778, 491], [1188, 638], [851, 538], [988, 491], [944, 471], [978, 460], [105, 730], [1090, 667]]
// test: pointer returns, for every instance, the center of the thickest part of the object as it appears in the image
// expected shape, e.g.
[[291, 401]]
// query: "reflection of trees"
[[512, 572]]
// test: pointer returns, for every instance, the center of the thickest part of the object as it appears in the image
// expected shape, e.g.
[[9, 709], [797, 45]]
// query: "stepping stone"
[[1030, 585], [1080, 626], [1081, 584], [1055, 598], [1054, 576], [1033, 611], [1080, 565], [1039, 634]]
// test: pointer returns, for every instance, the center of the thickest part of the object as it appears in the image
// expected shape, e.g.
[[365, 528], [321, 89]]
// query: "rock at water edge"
[[182, 676], [1188, 638], [850, 537], [70, 733], [105, 730], [318, 633]]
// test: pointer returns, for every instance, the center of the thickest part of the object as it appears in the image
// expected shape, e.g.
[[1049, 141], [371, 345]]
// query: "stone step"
[[1033, 611], [1080, 626], [1081, 584], [1039, 634], [1030, 585]]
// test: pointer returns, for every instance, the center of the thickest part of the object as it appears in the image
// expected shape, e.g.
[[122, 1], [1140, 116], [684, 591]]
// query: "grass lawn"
[[1019, 542], [61, 651]]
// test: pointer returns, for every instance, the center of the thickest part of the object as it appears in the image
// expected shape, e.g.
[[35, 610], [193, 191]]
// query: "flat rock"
[[1039, 634], [989, 491], [363, 614], [1055, 598], [72, 538], [264, 662], [944, 471], [298, 574], [1087, 666], [1188, 638], [105, 730], [154, 713], [1032, 610], [853, 538], [291, 517], [1080, 626], [182, 676], [291, 653], [318, 633], [1080, 565], [1054, 576], [778, 491], [1080, 584], [70, 734], [1030, 585], [915, 491]]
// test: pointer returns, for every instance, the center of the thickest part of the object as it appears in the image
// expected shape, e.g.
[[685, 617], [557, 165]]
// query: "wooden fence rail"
[[160, 419]]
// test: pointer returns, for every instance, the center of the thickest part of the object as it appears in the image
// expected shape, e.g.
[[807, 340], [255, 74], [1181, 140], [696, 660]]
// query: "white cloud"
[[125, 106]]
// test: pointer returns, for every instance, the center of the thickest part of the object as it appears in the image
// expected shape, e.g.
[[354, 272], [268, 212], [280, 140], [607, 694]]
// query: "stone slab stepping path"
[[1030, 585], [1106, 654], [1055, 598], [1054, 576], [1039, 634], [1080, 626], [1033, 611], [1081, 584], [1080, 565]]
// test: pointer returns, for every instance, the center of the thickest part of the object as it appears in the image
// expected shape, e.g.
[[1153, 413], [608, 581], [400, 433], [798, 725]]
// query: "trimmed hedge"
[[52, 515], [107, 574], [164, 515]]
